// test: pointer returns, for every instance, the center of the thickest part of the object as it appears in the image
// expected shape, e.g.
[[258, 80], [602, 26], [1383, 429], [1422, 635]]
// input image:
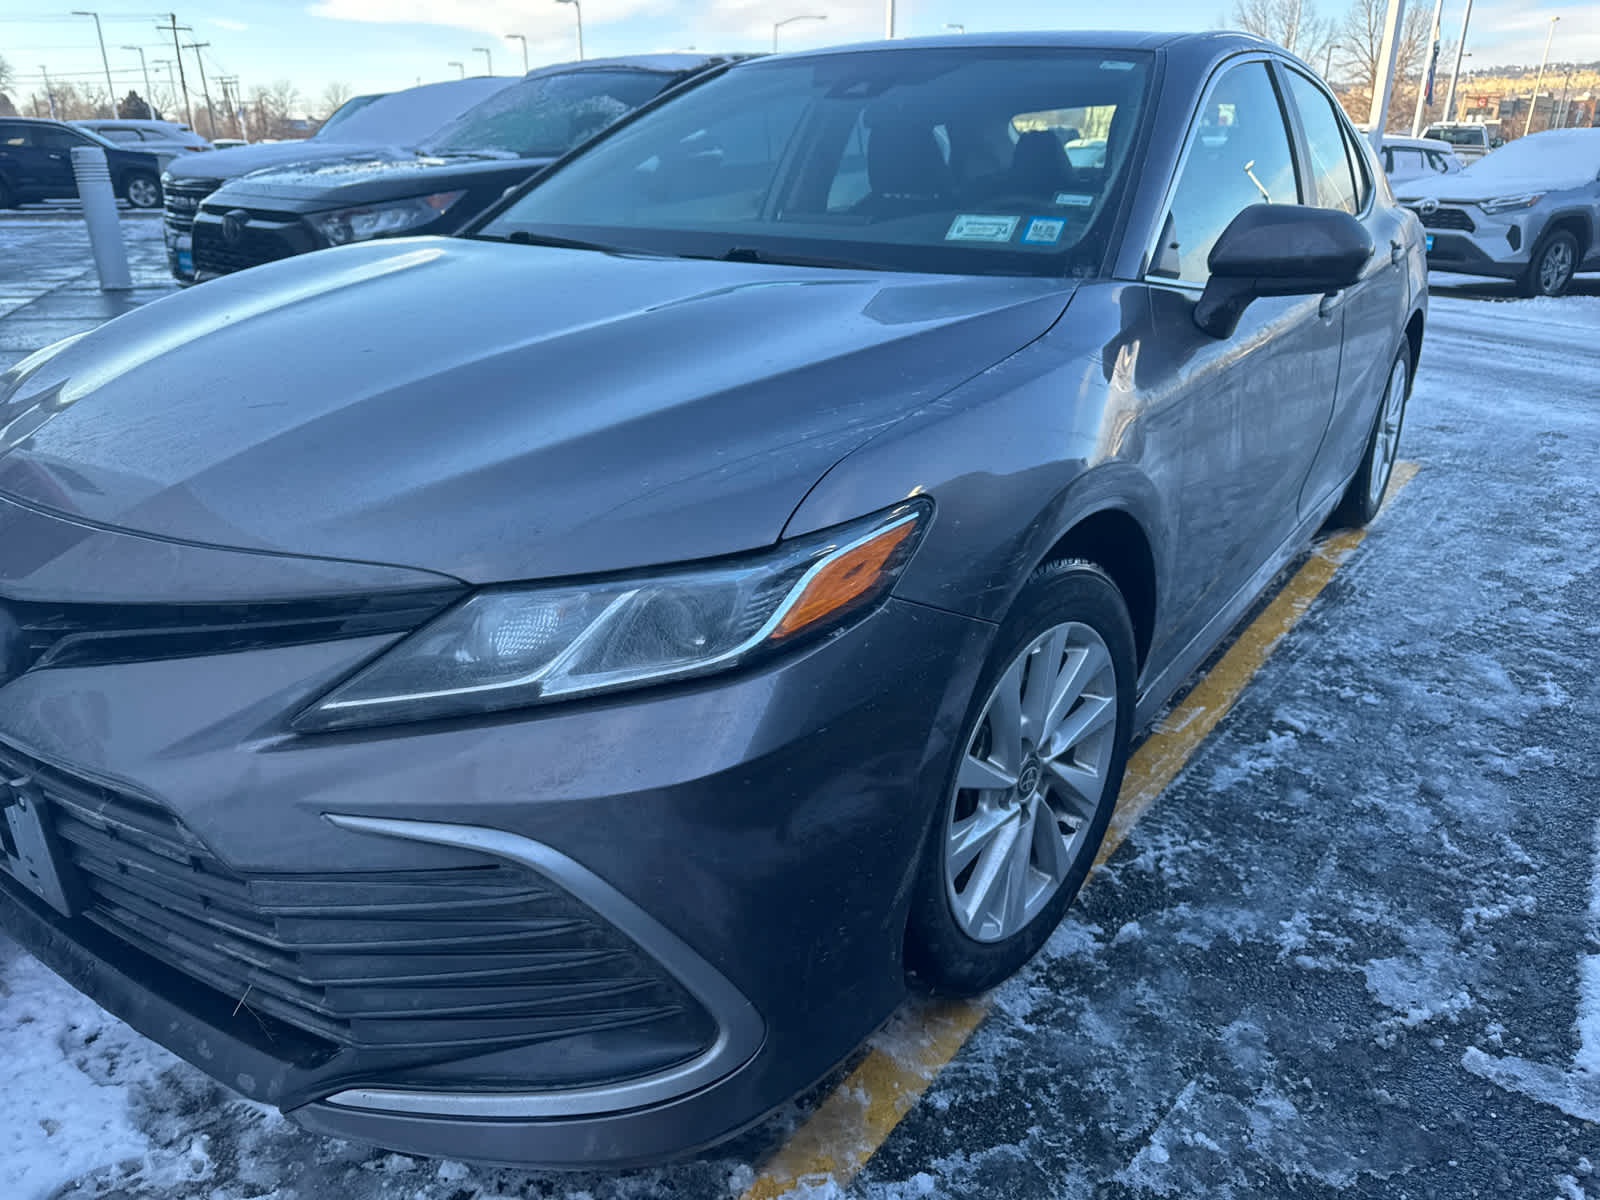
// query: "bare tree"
[[333, 95], [267, 115], [1293, 24], [1361, 42], [7, 78]]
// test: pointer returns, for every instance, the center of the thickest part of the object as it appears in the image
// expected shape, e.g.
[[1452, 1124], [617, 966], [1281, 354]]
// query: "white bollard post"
[[100, 215]]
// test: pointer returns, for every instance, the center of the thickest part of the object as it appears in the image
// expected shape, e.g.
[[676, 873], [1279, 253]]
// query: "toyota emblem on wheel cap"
[[233, 224]]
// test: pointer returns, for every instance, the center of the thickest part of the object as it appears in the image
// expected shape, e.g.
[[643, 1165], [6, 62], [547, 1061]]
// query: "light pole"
[[1424, 85], [149, 93], [1327, 62], [49, 94], [524, 42], [957, 27], [459, 67], [777, 25], [1383, 80], [105, 62], [577, 8], [888, 19], [1534, 102], [488, 59], [172, 81], [1461, 45]]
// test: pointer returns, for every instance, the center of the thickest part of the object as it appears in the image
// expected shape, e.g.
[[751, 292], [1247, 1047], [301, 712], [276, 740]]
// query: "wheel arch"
[[1114, 540], [1575, 221]]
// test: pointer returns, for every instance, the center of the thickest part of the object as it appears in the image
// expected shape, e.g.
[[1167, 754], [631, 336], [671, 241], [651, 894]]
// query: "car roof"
[[1208, 42], [1419, 143], [638, 62]]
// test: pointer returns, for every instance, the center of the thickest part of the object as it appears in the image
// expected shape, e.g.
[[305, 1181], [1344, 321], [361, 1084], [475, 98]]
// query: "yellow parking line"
[[854, 1119]]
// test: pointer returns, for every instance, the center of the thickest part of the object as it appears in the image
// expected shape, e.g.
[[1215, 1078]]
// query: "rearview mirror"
[[1279, 250]]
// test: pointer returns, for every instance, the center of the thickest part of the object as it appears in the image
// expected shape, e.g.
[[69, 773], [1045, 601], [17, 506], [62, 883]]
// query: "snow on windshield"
[[547, 116], [406, 118], [1560, 157]]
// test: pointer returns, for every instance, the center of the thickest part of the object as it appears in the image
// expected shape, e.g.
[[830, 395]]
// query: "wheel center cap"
[[1028, 778]]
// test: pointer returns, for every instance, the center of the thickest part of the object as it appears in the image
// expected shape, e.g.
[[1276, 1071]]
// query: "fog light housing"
[[1514, 237]]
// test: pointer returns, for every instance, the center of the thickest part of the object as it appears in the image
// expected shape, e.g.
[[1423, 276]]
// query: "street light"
[[577, 9], [524, 42], [1327, 62], [957, 27], [459, 67], [149, 93], [1534, 102], [111, 90], [777, 25], [488, 59]]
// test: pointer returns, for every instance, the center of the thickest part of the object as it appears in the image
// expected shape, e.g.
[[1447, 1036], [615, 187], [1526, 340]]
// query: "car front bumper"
[[751, 840], [1495, 246]]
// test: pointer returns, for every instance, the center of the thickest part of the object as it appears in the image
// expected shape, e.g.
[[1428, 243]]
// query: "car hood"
[[240, 160], [369, 177], [492, 411], [1484, 179]]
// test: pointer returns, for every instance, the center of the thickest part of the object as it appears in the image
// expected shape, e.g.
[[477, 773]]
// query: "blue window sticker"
[[1044, 231]]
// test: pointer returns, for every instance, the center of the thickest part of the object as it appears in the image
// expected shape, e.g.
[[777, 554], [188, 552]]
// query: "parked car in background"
[[36, 164], [1528, 212], [449, 180], [397, 119], [1469, 139], [1411, 158], [545, 695], [227, 143], [165, 139]]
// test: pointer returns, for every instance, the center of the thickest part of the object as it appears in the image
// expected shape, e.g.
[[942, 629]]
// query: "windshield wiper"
[[523, 237], [750, 254]]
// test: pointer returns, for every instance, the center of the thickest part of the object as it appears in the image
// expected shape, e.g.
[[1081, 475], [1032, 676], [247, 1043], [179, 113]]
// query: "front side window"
[[931, 160], [546, 117], [1238, 156], [1333, 181], [1404, 160], [63, 139], [15, 135]]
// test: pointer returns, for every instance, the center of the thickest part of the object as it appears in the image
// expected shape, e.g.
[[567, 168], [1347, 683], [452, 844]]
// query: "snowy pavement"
[[1353, 950]]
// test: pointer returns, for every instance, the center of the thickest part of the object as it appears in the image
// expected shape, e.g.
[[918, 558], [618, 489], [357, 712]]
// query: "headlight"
[[380, 220], [1502, 204], [513, 647]]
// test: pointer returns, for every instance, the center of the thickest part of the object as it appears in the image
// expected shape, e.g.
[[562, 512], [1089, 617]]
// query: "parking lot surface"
[[1352, 949]]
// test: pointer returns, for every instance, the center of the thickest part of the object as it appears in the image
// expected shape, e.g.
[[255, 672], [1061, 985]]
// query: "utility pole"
[[172, 27], [1561, 109], [49, 95], [1425, 84], [235, 102], [149, 92], [111, 88], [1461, 45], [1383, 81], [524, 42], [1534, 103], [211, 113]]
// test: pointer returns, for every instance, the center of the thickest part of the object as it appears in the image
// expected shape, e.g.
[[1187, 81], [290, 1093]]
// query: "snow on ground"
[[1353, 951]]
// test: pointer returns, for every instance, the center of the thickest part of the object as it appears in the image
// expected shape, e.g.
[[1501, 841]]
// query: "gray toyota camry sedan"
[[545, 695]]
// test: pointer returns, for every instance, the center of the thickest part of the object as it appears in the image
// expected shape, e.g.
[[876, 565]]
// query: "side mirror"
[[1279, 250]]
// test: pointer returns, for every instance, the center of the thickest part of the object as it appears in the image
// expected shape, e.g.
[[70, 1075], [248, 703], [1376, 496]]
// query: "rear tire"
[[1364, 497], [1023, 815], [142, 190], [1551, 266]]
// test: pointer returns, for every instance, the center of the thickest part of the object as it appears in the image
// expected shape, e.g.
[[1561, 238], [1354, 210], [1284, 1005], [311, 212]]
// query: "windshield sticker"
[[1073, 200], [979, 227], [1044, 230]]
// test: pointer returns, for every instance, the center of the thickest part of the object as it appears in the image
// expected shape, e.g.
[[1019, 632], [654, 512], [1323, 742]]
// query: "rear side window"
[[1238, 156], [1333, 178], [14, 135]]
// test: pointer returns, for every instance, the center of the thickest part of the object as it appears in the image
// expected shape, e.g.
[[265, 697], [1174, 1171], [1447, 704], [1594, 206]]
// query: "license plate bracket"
[[28, 851]]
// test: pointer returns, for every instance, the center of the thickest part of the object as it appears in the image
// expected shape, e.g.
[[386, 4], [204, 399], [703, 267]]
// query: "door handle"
[[1396, 251], [1329, 304]]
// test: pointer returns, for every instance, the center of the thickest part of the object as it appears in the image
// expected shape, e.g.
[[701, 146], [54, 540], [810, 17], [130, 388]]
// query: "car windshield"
[[940, 159], [406, 118], [546, 116], [347, 110], [1457, 137]]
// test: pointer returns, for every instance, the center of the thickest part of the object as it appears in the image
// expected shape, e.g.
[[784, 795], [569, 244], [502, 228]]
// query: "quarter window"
[[1333, 180], [1238, 156]]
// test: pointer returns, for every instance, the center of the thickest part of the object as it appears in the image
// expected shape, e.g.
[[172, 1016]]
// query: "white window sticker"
[[1044, 230], [1073, 200], [981, 227]]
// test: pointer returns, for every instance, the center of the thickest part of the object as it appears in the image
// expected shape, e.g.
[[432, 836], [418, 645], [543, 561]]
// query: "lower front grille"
[[437, 961], [1446, 218], [216, 254]]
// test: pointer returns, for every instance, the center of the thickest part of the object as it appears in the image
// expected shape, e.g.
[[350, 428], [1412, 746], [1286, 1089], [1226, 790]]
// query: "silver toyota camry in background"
[[545, 695]]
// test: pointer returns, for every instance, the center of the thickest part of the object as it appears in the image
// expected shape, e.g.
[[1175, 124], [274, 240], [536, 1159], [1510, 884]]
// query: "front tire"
[[142, 190], [1364, 497], [1042, 756], [1552, 265]]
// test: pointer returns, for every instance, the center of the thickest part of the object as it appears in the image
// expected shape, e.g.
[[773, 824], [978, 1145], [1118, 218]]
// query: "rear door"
[[1339, 170], [1249, 410]]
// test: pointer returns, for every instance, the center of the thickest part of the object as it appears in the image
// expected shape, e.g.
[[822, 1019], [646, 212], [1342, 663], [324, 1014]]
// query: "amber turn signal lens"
[[845, 579]]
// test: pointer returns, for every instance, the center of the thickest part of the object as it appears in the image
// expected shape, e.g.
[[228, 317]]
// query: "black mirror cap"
[[1280, 250]]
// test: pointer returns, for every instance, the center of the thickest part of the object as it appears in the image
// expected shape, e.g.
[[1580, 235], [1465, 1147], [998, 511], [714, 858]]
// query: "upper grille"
[[1446, 218], [77, 635], [182, 201], [458, 959], [217, 255]]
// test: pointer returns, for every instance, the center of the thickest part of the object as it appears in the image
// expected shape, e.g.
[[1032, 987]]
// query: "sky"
[[381, 45]]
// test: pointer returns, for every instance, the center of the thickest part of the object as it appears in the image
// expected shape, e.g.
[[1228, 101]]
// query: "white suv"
[[1528, 212]]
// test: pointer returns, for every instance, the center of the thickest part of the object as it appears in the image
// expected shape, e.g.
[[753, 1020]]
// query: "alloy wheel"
[[1030, 781], [1555, 268], [143, 194], [1387, 437]]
